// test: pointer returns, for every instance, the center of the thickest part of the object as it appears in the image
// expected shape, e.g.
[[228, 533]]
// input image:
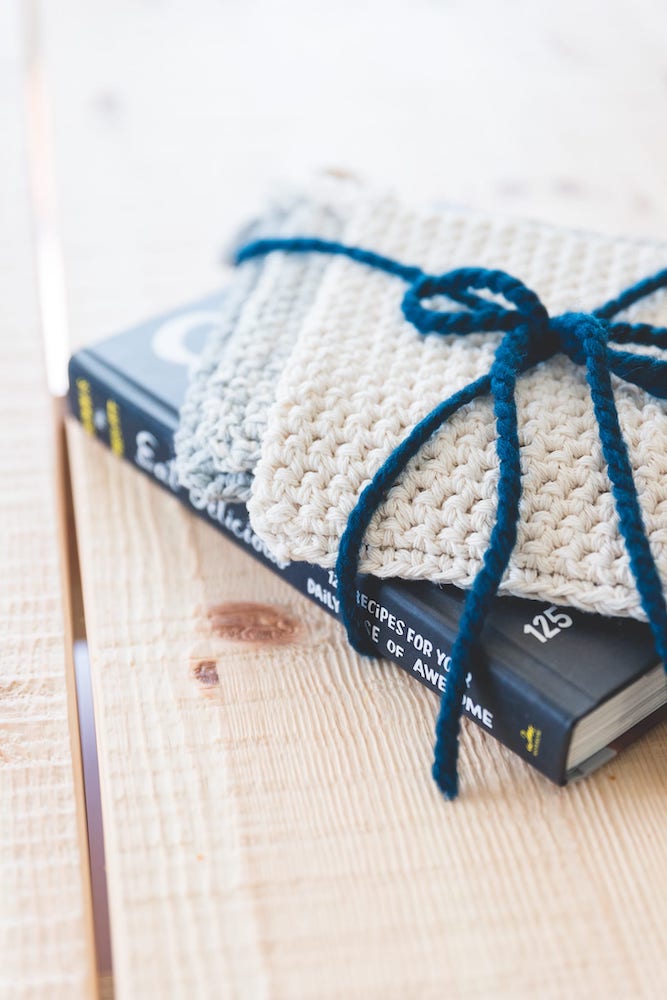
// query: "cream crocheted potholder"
[[224, 414], [360, 377]]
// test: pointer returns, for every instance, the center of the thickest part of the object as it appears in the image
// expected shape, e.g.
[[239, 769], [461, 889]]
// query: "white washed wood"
[[43, 928], [171, 120], [277, 835]]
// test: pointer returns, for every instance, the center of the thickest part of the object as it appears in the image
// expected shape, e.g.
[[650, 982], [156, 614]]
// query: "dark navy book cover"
[[541, 669]]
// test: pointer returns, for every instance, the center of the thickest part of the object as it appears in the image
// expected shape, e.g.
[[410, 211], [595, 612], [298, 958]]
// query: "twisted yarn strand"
[[625, 494], [531, 336]]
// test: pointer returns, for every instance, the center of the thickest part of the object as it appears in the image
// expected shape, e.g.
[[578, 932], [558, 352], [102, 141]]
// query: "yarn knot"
[[569, 333], [486, 300]]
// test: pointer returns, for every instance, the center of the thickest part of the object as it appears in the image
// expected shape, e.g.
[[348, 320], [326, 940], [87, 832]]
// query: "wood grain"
[[270, 819], [44, 928], [271, 826]]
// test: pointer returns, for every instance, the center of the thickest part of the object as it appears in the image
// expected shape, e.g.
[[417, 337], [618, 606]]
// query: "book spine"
[[400, 627]]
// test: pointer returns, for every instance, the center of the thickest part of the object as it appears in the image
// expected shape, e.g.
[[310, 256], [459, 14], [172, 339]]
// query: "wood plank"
[[45, 932], [270, 822], [269, 816]]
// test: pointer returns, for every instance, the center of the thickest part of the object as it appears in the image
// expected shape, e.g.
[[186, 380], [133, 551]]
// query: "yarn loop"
[[487, 300]]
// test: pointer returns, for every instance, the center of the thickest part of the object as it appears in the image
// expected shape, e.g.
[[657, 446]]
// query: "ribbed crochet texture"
[[531, 338]]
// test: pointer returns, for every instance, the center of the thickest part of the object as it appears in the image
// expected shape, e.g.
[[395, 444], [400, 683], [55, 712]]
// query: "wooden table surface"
[[275, 833]]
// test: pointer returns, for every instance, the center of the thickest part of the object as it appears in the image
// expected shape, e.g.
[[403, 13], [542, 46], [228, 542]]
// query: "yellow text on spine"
[[85, 405], [115, 430]]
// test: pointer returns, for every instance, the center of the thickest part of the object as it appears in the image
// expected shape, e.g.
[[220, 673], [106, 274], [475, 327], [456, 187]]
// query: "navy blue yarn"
[[531, 336]]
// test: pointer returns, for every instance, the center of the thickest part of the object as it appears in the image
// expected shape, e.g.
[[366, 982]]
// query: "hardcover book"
[[563, 689]]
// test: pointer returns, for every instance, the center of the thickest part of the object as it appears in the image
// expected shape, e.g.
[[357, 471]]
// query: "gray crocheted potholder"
[[360, 377], [224, 414]]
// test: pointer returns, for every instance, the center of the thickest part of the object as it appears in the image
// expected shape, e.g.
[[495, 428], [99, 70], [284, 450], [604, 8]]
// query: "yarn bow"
[[494, 301]]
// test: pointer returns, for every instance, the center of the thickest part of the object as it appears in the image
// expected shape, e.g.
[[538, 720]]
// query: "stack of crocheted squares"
[[315, 375]]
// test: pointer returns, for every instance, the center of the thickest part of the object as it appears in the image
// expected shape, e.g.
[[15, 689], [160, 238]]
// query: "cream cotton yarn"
[[360, 377]]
